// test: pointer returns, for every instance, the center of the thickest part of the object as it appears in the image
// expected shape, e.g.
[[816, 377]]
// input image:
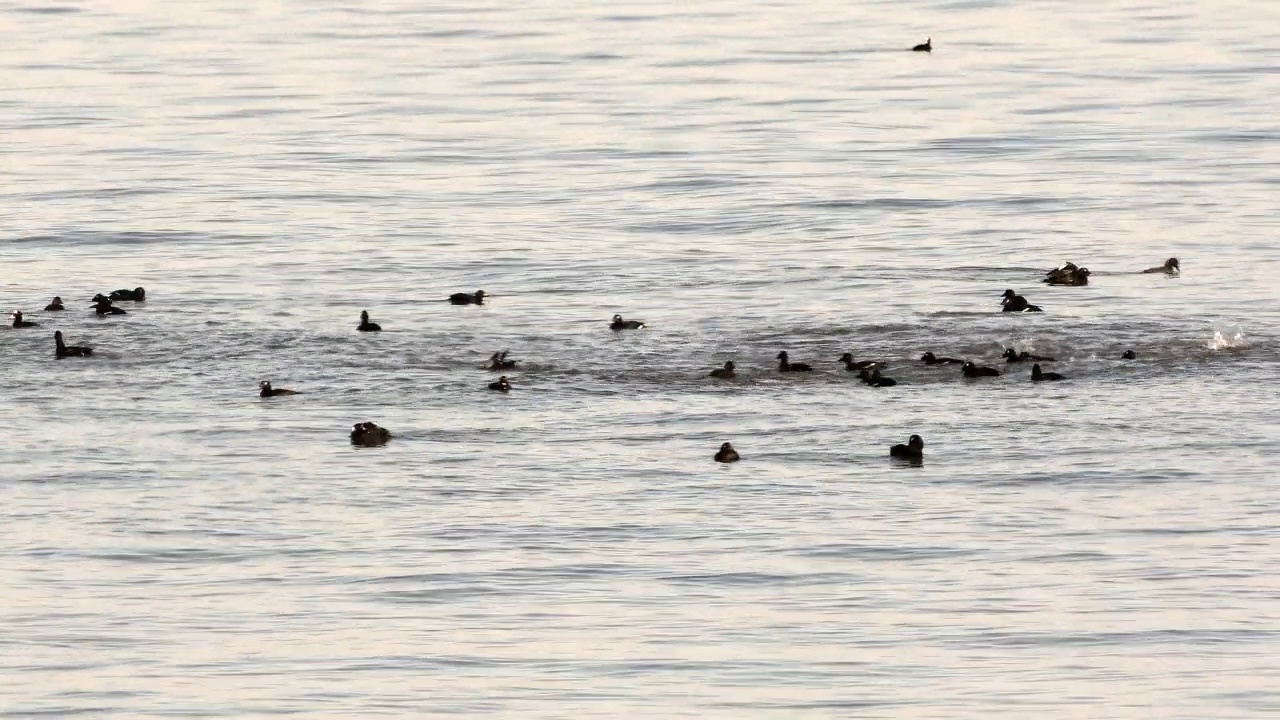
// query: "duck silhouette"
[[265, 390], [18, 322], [930, 359], [476, 298], [785, 365], [971, 370], [1038, 375], [1170, 267], [1013, 302], [367, 434], [926, 46], [365, 325], [852, 366], [913, 450], [501, 385], [499, 361], [136, 295], [1013, 356], [55, 305], [62, 350], [727, 454], [619, 324], [724, 373]]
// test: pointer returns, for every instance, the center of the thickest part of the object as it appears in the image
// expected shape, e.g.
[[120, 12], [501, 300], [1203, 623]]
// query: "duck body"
[[1170, 267], [265, 390], [19, 323], [365, 325], [785, 365], [1068, 274], [926, 46], [971, 370], [1038, 375], [857, 366], [136, 295], [725, 372], [55, 305], [931, 359], [499, 361], [102, 306], [913, 450], [1014, 302], [871, 376], [476, 298], [501, 385], [619, 324], [367, 434], [727, 454], [1013, 356], [62, 350], [1129, 355]]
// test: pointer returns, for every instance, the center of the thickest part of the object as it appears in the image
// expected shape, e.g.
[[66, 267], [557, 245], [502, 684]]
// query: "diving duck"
[[913, 450], [367, 434], [1013, 302], [267, 391], [365, 325], [926, 46], [930, 359], [499, 361], [136, 295], [18, 322], [55, 306], [62, 350], [1037, 374], [620, 324], [1170, 267], [724, 373], [785, 365], [102, 306], [476, 298], [852, 366], [727, 454], [971, 370], [501, 385], [1013, 356]]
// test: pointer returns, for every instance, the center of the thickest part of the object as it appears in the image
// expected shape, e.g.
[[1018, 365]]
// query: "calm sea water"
[[746, 177]]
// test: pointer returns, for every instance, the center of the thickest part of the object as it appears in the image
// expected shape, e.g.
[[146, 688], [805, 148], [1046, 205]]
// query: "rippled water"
[[746, 177]]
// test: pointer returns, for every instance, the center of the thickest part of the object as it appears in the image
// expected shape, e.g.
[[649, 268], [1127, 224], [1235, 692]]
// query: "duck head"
[[1008, 295], [916, 443], [1171, 265]]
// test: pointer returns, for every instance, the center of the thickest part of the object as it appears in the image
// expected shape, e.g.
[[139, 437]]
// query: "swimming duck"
[[926, 46], [54, 306], [913, 450], [18, 322], [786, 366], [62, 349], [1170, 267], [368, 434], [365, 325], [971, 370], [931, 359], [725, 372], [1068, 274], [1013, 356], [268, 391], [620, 324], [872, 377], [1037, 374], [727, 454], [1013, 302], [852, 366], [102, 306], [499, 361], [501, 385], [476, 298], [1129, 355], [136, 294]]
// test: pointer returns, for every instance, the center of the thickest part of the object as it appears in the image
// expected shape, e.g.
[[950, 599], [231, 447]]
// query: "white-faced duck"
[[62, 350], [102, 306], [785, 365], [854, 366], [1037, 375], [1068, 274], [1129, 355], [136, 295], [1013, 302], [724, 373], [971, 370], [1013, 356], [913, 450], [931, 359], [476, 298], [727, 454], [501, 385], [54, 306], [499, 361], [367, 434], [620, 324], [1170, 267], [267, 391], [18, 322], [926, 46], [365, 325], [872, 377]]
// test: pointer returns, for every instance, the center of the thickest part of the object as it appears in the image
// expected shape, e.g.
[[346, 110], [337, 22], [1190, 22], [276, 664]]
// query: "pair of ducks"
[[476, 298], [913, 450], [1071, 274], [867, 369], [1037, 374]]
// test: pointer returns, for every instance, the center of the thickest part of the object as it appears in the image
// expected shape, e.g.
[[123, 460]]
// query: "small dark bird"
[[913, 450], [1068, 274], [136, 295], [727, 454], [62, 350], [365, 325], [499, 361], [18, 322], [785, 366], [852, 366], [1170, 267], [930, 359], [724, 373], [1037, 374], [54, 306], [1013, 356], [971, 370], [1129, 355], [268, 391], [872, 377], [620, 324], [476, 298], [102, 306], [926, 46], [501, 385], [1013, 302], [367, 434]]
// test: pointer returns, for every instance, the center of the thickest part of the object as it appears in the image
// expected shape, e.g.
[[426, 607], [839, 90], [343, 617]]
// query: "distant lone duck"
[[18, 322], [1129, 355], [620, 324], [54, 306], [136, 295], [931, 359], [1013, 356], [852, 366], [1037, 375], [476, 298], [1013, 302], [367, 434], [971, 370], [1068, 274], [268, 391], [785, 365], [62, 350], [872, 377], [102, 306], [926, 46], [365, 325], [913, 450], [724, 373], [727, 454], [501, 385], [1170, 267], [499, 361]]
